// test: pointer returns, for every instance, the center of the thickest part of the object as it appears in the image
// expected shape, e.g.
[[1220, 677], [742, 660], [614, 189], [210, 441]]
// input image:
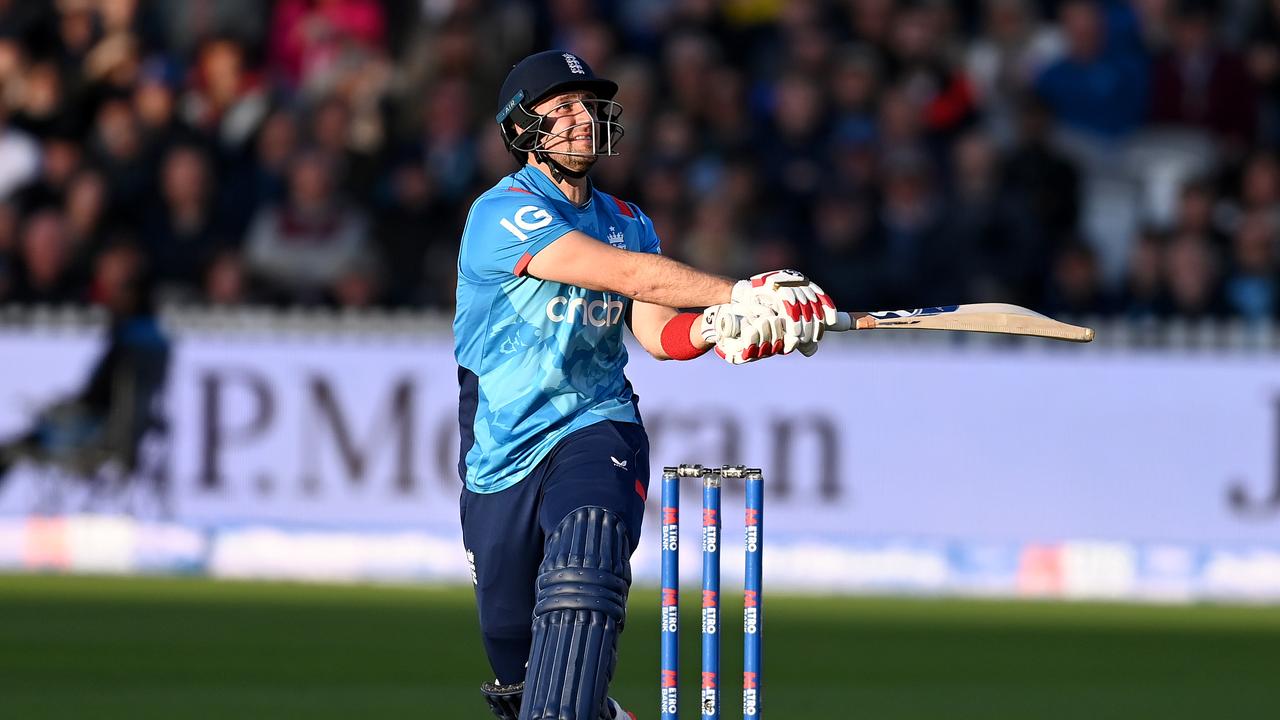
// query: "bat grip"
[[729, 325]]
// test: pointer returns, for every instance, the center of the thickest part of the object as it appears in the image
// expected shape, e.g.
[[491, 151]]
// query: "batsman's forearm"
[[662, 281], [695, 336]]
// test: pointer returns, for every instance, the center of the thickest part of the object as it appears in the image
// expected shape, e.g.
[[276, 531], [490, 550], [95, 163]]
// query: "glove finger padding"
[[779, 335], [765, 343], [816, 313], [757, 337], [829, 314], [741, 349], [803, 305]]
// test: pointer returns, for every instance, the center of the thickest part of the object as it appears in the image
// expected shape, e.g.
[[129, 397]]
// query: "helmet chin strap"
[[558, 172]]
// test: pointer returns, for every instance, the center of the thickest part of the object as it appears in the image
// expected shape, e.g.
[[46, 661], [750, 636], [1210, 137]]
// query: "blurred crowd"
[[1111, 157]]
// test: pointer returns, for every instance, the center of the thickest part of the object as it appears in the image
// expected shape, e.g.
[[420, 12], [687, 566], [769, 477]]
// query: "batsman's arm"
[[579, 259], [647, 322]]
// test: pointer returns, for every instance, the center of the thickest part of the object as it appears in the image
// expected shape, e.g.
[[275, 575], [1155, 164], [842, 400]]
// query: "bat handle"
[[729, 325]]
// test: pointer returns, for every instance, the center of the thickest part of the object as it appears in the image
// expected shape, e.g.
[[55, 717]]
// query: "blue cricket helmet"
[[548, 73]]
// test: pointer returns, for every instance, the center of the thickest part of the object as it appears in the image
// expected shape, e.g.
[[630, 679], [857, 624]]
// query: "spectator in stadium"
[[909, 233], [1251, 287], [359, 285], [853, 87], [227, 98], [1197, 209], [1143, 296], [184, 24], [39, 106], [112, 86], [940, 91], [330, 132], [300, 248], [843, 262], [155, 103], [87, 223], [180, 232], [9, 220], [85, 208], [1049, 180], [795, 148], [19, 156], [1199, 84], [117, 149], [871, 21], [113, 64], [1193, 275], [1074, 288], [226, 283], [407, 231], [77, 33], [899, 126], [991, 231], [1260, 186], [61, 155], [44, 272], [258, 174], [1003, 61], [712, 238], [1099, 88], [1262, 55], [445, 145], [313, 37]]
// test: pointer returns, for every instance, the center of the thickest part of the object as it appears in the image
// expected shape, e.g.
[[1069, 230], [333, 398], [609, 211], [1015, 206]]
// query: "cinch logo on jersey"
[[529, 217], [597, 313]]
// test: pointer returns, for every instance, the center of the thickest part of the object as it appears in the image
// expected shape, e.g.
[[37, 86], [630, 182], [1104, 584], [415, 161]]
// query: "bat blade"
[[1000, 318]]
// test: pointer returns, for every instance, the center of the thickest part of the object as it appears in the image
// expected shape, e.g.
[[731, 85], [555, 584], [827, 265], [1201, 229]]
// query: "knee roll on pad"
[[579, 610], [504, 700]]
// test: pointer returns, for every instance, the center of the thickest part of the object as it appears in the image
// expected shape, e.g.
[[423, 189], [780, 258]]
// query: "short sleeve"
[[504, 231], [649, 241]]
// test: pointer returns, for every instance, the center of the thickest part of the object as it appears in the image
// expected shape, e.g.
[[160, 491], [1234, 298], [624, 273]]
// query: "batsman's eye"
[[565, 109]]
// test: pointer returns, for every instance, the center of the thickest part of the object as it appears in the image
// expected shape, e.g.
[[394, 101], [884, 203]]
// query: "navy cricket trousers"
[[606, 465]]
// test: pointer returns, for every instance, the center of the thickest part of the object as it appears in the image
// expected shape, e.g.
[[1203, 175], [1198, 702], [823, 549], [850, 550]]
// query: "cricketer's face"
[[570, 129]]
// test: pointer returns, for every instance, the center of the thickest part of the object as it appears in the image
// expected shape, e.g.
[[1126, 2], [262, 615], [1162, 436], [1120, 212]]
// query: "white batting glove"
[[760, 332], [805, 307]]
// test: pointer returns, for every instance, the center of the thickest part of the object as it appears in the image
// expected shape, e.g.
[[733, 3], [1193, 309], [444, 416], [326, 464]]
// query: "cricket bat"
[[1000, 318]]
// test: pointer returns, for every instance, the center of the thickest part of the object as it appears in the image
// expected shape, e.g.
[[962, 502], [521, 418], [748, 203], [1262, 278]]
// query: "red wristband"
[[675, 337]]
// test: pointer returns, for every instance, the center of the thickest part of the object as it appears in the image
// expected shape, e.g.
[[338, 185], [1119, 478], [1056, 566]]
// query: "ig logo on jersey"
[[528, 217]]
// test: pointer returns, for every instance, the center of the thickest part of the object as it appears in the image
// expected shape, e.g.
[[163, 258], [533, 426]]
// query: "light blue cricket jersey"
[[537, 359]]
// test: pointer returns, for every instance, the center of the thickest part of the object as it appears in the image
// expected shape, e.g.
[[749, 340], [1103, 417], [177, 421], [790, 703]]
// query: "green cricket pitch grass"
[[138, 648]]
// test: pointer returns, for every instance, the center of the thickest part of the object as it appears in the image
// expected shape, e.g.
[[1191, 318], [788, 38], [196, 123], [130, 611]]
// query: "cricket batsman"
[[554, 457]]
